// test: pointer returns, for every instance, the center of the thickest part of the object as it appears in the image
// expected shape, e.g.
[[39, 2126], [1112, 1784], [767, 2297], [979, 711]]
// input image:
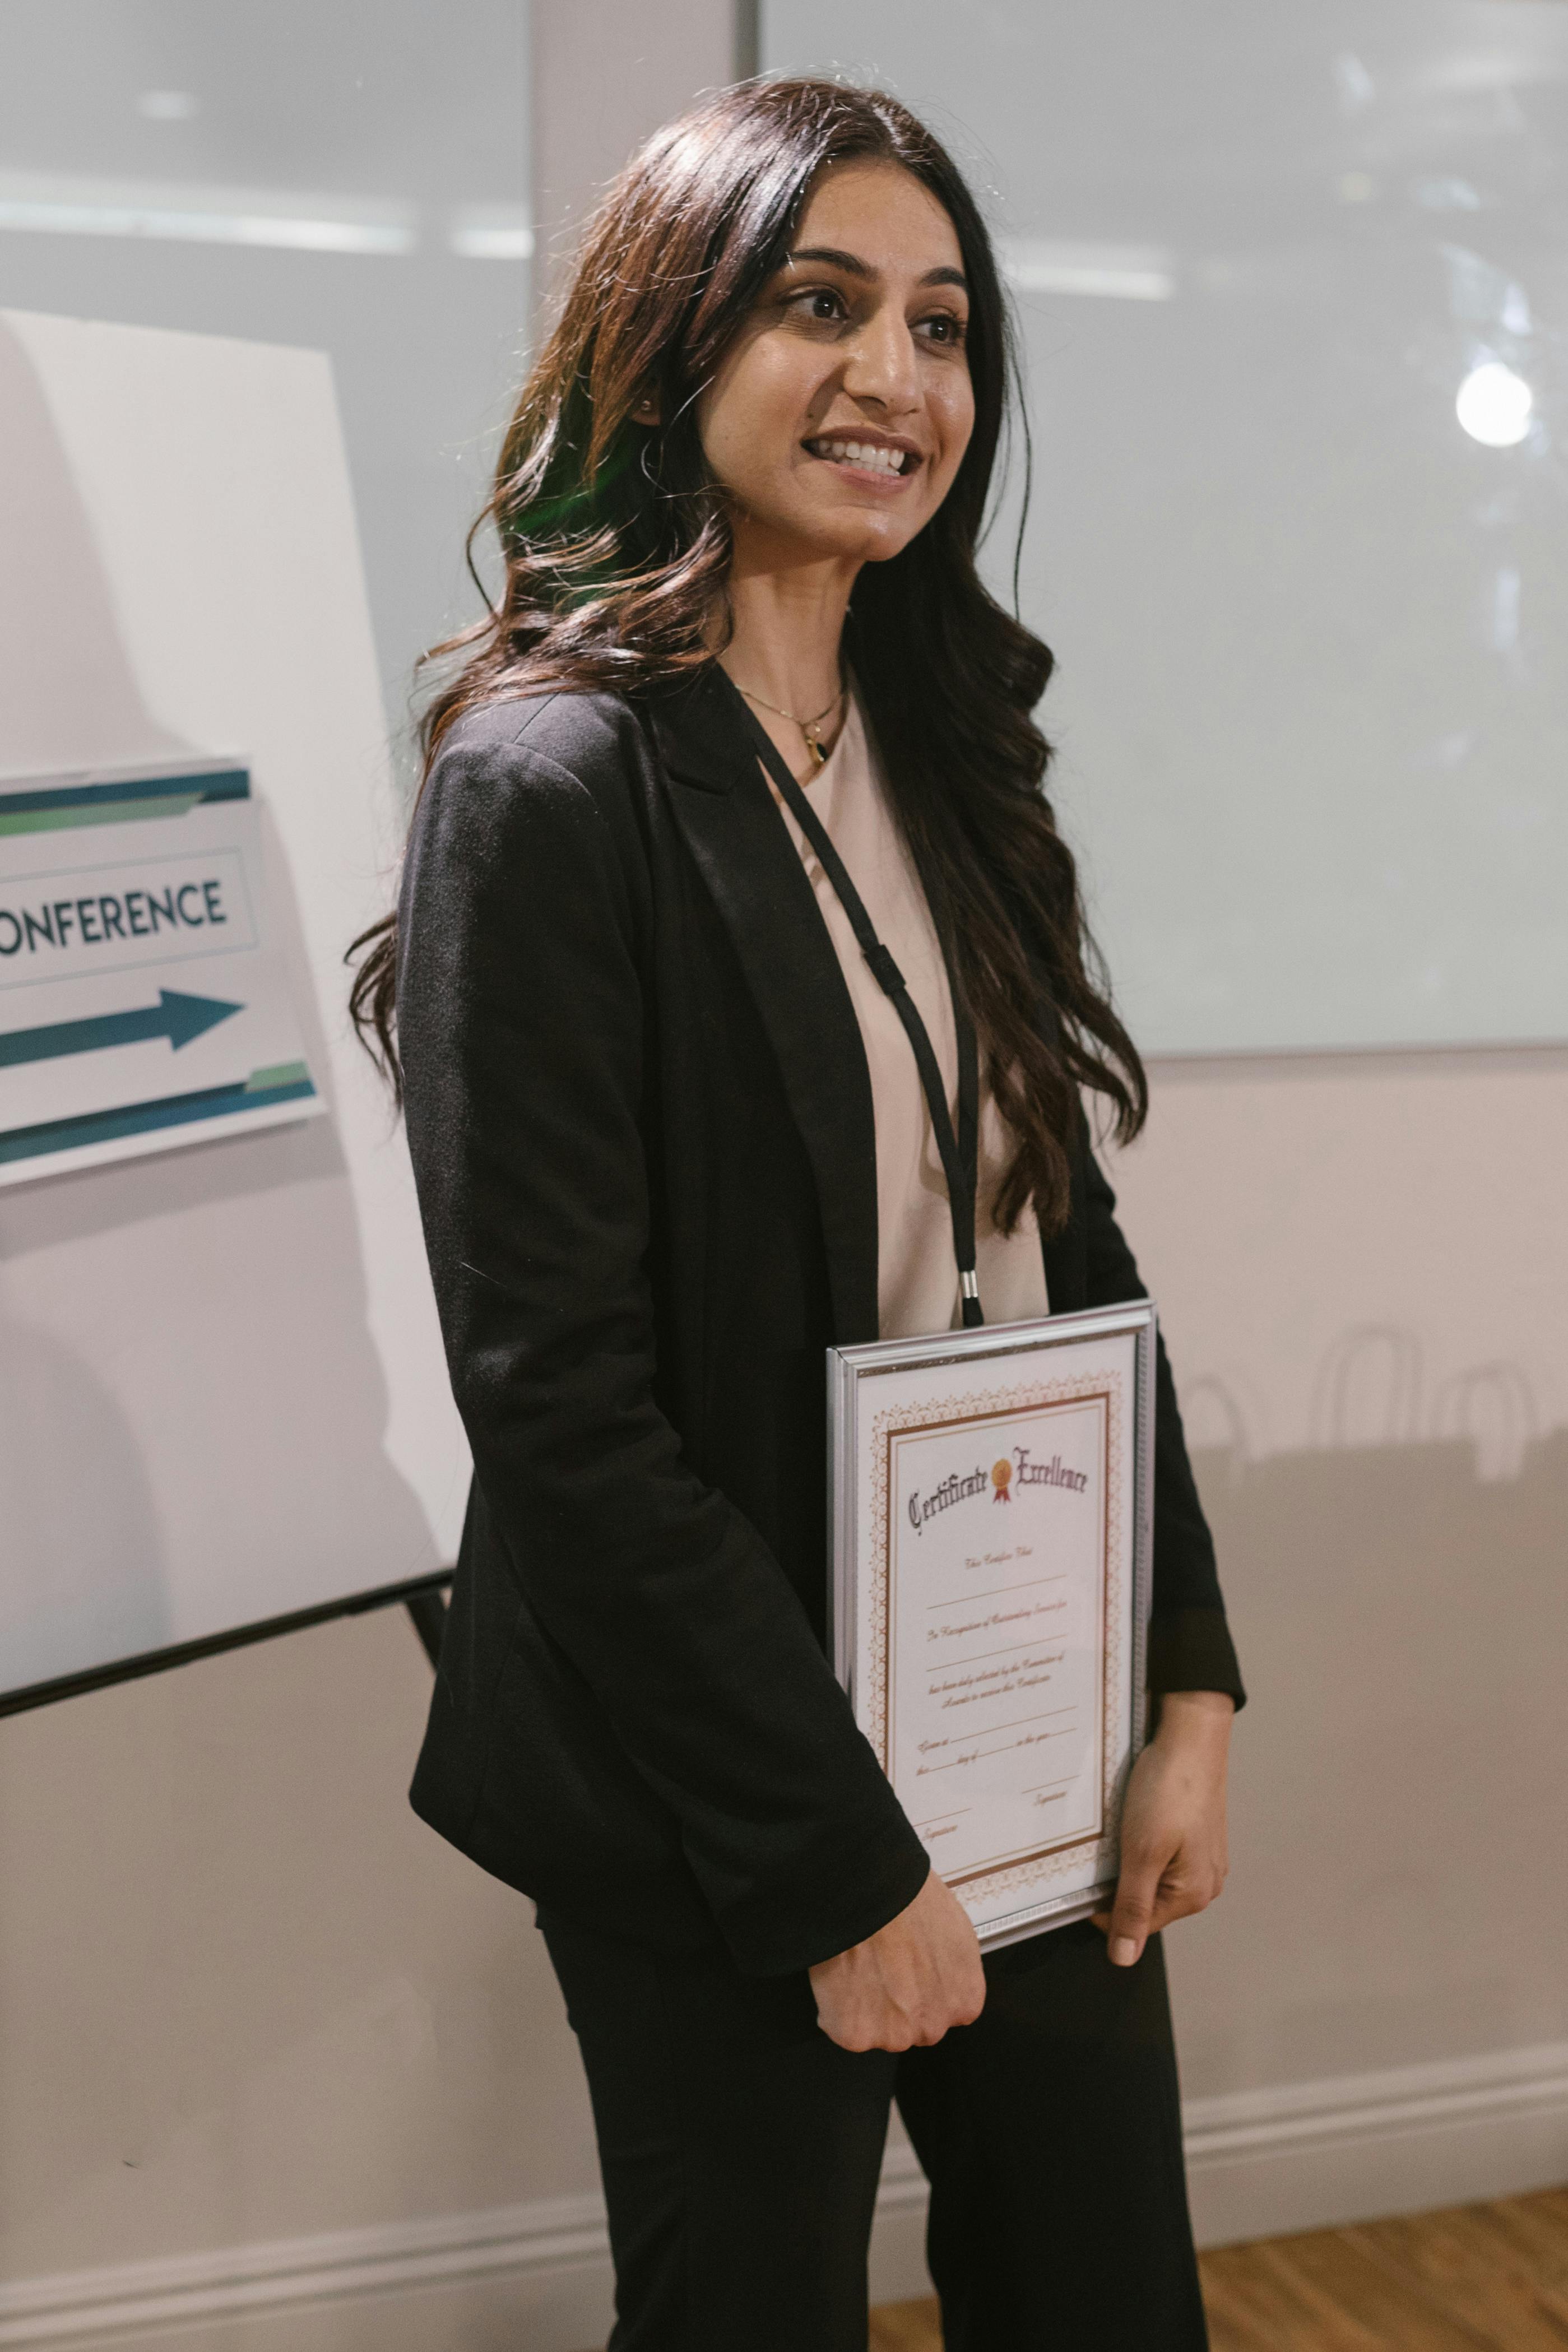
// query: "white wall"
[[247, 1996], [1363, 1271]]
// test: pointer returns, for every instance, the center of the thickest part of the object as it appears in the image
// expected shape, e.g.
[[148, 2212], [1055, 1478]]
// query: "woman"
[[670, 1145]]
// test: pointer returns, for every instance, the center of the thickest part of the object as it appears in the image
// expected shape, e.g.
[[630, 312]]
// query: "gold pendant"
[[815, 746]]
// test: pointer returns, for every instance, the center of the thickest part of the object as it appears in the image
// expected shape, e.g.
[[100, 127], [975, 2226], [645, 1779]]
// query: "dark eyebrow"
[[850, 263], [853, 266]]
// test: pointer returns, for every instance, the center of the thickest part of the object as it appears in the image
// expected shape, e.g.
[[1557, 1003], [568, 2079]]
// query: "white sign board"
[[142, 1004], [223, 1397]]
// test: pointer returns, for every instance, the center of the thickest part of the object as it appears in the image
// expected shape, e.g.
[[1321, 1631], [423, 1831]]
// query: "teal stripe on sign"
[[59, 820], [117, 797], [142, 1118]]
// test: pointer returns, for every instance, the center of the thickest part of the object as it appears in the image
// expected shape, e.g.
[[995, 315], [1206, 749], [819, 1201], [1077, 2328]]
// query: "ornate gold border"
[[896, 1421]]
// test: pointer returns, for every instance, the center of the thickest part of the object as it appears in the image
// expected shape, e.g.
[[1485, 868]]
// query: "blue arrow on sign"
[[177, 1017]]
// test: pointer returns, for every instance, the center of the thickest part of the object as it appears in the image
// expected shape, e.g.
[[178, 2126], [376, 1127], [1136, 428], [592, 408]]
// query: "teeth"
[[864, 453]]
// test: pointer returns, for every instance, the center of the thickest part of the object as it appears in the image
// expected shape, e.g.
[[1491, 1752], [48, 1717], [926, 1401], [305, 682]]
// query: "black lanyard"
[[959, 1153]]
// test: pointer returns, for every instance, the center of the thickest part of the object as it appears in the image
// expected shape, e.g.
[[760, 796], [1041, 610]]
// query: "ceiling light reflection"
[[500, 235], [299, 236], [185, 214], [1494, 406], [283, 218], [168, 105], [1134, 273]]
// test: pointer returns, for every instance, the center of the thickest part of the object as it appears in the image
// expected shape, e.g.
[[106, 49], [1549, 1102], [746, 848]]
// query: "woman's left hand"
[[1174, 1858]]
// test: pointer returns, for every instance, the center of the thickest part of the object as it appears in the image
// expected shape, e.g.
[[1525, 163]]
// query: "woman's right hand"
[[904, 1986]]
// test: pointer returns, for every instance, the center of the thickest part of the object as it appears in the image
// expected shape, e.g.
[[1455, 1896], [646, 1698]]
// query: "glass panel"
[[1294, 294], [349, 174]]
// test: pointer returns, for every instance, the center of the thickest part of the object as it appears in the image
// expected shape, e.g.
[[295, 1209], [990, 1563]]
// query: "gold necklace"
[[809, 728]]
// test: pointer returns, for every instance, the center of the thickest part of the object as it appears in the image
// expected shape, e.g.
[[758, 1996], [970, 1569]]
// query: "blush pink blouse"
[[917, 1272]]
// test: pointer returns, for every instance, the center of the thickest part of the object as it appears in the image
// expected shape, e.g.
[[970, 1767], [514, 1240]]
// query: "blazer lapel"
[[748, 862]]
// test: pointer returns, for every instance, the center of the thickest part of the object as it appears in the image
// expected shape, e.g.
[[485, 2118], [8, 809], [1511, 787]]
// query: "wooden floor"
[[1481, 2278]]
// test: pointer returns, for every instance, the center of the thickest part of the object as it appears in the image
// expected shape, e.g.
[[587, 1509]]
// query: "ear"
[[646, 411]]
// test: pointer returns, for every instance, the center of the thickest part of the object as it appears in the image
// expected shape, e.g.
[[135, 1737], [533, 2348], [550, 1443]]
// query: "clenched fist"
[[904, 1986]]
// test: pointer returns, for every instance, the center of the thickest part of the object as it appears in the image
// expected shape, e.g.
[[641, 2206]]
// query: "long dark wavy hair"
[[616, 548]]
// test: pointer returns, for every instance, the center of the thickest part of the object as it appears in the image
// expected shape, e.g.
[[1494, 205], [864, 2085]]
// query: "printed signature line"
[[1020, 1721], [1041, 1642], [1027, 1585], [981, 1754]]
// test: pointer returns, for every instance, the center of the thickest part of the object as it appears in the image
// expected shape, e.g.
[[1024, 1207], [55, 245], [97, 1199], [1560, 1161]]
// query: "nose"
[[881, 368]]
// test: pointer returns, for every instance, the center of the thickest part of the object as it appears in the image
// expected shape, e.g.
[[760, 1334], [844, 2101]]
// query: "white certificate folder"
[[992, 1513]]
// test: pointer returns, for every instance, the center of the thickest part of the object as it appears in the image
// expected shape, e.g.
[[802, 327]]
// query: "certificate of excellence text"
[[994, 1617]]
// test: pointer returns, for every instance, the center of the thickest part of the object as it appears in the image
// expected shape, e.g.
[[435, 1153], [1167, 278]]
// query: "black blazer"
[[641, 1125]]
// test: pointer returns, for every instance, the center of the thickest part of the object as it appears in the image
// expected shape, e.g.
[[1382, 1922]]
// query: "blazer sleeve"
[[521, 1023], [1190, 1646]]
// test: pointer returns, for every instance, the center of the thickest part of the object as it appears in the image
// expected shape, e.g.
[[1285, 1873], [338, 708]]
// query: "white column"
[[605, 73]]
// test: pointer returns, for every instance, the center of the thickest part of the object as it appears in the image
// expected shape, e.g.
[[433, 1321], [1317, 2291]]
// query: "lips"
[[874, 457]]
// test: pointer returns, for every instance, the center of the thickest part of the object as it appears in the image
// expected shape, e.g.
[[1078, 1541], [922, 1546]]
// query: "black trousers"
[[741, 2149]]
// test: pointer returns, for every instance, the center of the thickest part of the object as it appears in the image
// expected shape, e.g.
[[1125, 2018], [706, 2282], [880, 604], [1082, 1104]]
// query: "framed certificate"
[[992, 1495]]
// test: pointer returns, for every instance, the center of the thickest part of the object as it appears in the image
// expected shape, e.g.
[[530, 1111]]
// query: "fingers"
[[938, 1975], [1177, 1899], [1132, 1919], [909, 1984], [885, 2026], [853, 2009], [1178, 1892], [863, 2037]]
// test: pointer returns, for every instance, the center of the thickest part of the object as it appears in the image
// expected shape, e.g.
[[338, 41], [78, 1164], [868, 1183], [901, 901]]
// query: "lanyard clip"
[[884, 971]]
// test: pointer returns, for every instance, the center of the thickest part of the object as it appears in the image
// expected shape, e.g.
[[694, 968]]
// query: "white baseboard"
[[1311, 2156], [548, 2237], [1298, 2156]]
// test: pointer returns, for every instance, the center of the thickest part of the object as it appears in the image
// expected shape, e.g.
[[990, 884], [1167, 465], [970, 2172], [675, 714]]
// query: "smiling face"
[[841, 411]]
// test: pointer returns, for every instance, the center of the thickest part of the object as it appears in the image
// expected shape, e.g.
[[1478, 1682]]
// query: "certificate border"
[[852, 1375]]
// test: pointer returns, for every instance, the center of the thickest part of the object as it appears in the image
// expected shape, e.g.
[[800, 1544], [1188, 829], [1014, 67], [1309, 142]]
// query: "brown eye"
[[821, 304]]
